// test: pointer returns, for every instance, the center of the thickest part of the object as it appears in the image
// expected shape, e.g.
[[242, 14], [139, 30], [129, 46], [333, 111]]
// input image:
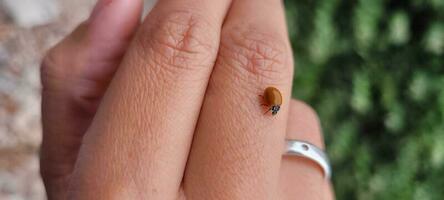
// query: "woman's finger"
[[302, 178], [237, 149], [141, 135], [74, 75]]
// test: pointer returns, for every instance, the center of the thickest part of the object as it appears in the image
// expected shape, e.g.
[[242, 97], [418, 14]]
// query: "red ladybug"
[[272, 98]]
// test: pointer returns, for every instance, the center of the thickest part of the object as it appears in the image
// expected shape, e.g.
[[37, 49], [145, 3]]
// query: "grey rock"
[[30, 13]]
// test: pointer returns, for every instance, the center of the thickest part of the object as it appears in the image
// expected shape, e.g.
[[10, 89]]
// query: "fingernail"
[[100, 5]]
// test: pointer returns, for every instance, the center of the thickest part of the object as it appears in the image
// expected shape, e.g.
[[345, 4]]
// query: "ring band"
[[310, 151]]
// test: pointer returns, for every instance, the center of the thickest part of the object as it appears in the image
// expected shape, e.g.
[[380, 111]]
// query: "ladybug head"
[[275, 109]]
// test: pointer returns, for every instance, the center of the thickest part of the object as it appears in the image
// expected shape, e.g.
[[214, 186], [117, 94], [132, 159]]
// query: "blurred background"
[[372, 69]]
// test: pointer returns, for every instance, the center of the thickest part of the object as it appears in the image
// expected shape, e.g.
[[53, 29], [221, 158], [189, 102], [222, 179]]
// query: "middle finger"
[[237, 150]]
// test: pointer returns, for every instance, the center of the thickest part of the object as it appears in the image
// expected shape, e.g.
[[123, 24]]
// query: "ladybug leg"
[[261, 97], [262, 100], [263, 104]]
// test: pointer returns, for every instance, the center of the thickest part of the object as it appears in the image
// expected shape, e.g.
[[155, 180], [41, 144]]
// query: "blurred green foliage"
[[374, 71]]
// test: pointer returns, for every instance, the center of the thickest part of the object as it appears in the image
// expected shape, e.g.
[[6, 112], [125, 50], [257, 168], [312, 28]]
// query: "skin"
[[167, 108]]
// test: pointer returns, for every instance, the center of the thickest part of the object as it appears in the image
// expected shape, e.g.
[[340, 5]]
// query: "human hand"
[[169, 109]]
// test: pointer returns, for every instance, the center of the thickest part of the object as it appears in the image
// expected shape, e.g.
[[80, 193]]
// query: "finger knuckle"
[[56, 59], [309, 112], [258, 53], [181, 39], [310, 119], [48, 67]]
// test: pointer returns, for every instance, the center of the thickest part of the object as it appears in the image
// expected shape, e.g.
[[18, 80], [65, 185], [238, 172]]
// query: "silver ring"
[[310, 151]]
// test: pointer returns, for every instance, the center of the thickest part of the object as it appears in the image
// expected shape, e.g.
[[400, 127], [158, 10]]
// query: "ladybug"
[[272, 98]]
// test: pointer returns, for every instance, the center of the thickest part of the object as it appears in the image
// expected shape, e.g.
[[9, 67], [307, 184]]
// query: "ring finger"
[[300, 177]]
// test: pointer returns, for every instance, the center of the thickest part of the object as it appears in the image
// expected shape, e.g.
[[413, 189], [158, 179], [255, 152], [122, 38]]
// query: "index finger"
[[140, 137]]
